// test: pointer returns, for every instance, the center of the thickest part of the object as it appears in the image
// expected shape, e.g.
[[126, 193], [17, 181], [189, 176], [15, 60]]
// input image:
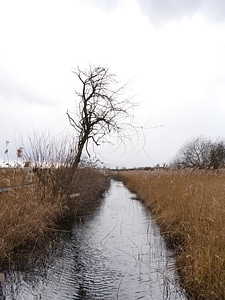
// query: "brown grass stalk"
[[189, 208], [30, 214]]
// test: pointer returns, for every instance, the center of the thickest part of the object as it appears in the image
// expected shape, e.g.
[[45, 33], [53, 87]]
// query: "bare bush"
[[201, 153]]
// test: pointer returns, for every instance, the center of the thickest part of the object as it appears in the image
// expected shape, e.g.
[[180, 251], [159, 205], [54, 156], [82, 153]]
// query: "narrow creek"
[[115, 253]]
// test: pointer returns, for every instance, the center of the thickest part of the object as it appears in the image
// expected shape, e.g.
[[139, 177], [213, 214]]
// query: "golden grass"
[[189, 206], [27, 219], [11, 176]]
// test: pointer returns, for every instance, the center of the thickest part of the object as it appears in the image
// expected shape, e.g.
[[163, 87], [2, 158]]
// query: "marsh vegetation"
[[30, 214], [114, 252], [188, 205]]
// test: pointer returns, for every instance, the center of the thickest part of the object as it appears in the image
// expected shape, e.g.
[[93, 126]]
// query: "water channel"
[[115, 253]]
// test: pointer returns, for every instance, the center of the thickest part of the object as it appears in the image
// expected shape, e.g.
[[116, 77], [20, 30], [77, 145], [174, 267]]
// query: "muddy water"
[[115, 253]]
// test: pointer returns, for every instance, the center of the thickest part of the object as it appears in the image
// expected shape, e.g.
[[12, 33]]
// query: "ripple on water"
[[117, 253]]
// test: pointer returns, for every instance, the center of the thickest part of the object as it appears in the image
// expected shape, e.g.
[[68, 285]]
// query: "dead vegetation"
[[189, 208], [30, 213]]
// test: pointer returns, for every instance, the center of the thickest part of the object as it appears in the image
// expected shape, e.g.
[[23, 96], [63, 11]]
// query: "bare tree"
[[217, 154], [101, 111], [202, 153]]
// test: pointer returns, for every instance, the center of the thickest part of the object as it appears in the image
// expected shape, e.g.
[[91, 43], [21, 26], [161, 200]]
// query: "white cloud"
[[175, 70], [163, 11]]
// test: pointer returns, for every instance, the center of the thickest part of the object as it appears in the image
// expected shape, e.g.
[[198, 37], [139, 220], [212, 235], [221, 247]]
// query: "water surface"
[[115, 253]]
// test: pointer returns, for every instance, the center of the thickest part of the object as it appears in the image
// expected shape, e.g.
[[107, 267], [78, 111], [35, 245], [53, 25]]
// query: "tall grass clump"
[[30, 214], [189, 208]]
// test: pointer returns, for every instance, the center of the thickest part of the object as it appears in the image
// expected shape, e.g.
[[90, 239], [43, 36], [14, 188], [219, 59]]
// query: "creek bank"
[[29, 222], [188, 206], [114, 252]]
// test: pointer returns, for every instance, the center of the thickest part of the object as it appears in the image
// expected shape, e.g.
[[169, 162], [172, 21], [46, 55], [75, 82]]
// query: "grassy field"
[[30, 213], [189, 206]]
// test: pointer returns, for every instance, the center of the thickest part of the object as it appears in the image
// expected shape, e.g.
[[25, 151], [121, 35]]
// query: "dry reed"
[[189, 208], [29, 219]]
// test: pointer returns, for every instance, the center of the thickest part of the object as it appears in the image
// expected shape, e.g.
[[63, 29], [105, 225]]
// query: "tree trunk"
[[75, 164], [81, 145]]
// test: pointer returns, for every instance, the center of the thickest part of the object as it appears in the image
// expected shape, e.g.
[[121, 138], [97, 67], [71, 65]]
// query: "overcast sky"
[[171, 51]]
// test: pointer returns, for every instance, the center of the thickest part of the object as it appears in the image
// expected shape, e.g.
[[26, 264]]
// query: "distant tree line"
[[201, 153]]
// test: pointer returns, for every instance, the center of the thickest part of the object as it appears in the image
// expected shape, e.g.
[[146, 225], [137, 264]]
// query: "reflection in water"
[[116, 253]]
